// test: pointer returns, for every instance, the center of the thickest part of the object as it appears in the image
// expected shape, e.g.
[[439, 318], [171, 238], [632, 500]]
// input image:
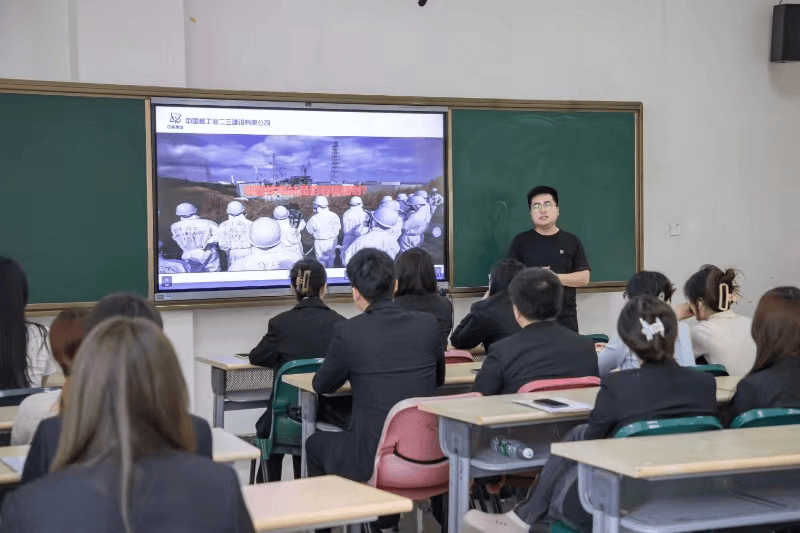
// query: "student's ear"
[[324, 291], [518, 316], [356, 294], [396, 284]]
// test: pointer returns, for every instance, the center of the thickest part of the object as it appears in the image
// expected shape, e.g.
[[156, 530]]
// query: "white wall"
[[721, 122]]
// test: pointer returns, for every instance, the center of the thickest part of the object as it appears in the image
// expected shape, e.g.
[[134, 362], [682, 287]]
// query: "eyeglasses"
[[539, 207]]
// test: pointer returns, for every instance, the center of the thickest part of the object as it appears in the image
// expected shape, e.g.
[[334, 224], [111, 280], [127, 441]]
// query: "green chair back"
[[669, 426], [598, 337], [714, 370], [561, 527], [775, 416]]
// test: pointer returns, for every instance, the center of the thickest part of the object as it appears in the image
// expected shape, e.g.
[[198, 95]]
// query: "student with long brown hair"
[[124, 460]]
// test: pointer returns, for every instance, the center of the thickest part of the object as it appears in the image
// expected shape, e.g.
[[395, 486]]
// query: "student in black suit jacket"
[[544, 349], [773, 381], [125, 458], [416, 289], [388, 353], [303, 332], [492, 318], [659, 389]]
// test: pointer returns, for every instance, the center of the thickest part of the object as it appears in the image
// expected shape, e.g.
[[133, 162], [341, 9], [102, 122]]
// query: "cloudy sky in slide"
[[209, 157]]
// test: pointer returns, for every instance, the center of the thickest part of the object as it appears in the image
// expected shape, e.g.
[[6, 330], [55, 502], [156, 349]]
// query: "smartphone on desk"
[[242, 356], [549, 402]]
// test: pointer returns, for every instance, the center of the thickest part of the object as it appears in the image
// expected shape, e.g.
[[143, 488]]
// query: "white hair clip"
[[726, 297], [651, 330]]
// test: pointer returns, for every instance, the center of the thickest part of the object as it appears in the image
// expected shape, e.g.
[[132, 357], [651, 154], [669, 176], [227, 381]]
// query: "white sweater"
[[724, 339]]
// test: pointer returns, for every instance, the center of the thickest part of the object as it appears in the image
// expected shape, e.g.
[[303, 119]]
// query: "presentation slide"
[[242, 193]]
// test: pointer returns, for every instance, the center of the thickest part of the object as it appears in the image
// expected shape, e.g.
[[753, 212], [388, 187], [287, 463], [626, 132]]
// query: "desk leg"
[[218, 389], [600, 495], [454, 438], [308, 410]]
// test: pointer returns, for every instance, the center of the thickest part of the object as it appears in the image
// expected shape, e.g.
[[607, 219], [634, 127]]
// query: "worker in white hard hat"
[[171, 266], [324, 226], [402, 199], [234, 233], [385, 200], [265, 236], [353, 223], [291, 229], [397, 229], [379, 236], [416, 224], [423, 193], [435, 200], [197, 237]]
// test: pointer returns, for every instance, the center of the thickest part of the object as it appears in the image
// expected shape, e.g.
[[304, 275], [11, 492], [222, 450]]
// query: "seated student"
[[388, 353], [491, 319], [24, 356], [544, 349], [303, 332], [721, 335], [416, 289], [125, 461], [66, 333], [616, 355], [659, 389], [773, 380], [47, 437]]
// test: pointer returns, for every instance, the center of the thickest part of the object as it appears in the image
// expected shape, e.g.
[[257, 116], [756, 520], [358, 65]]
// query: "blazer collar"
[[311, 302], [381, 304], [544, 325]]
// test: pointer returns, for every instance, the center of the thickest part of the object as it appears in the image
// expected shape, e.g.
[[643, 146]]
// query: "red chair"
[[540, 385], [458, 356]]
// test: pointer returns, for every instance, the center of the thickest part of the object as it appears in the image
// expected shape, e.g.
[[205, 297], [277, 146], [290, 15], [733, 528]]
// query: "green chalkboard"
[[73, 194], [498, 156]]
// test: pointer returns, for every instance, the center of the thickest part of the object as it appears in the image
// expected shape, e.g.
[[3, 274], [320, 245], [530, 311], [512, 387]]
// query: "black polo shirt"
[[562, 252]]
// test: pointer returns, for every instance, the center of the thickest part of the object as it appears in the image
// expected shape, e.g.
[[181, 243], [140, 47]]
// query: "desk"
[[728, 383], [750, 477], [236, 384], [7, 416], [313, 503], [458, 376], [227, 448], [9, 476]]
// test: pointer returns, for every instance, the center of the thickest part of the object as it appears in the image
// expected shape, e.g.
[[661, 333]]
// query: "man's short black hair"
[[371, 271], [126, 304], [536, 293], [542, 189]]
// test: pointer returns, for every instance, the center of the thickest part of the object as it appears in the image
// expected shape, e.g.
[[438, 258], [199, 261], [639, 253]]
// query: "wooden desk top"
[[7, 474], [227, 448], [455, 374], [728, 382], [304, 503], [227, 362], [726, 451], [7, 416]]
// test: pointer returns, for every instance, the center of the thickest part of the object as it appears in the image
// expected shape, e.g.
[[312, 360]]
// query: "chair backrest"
[[669, 426], [457, 356], [539, 385], [714, 370], [285, 430], [775, 416], [409, 460], [11, 397], [598, 337]]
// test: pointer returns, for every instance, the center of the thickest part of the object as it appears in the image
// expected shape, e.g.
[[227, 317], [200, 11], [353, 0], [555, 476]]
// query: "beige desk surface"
[[227, 448], [226, 362], [7, 474], [7, 416], [455, 374], [729, 450], [478, 350], [728, 382], [53, 380], [304, 503]]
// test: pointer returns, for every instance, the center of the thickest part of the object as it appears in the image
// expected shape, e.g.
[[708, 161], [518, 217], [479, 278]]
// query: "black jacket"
[[302, 332], [545, 350], [488, 321], [650, 392], [776, 386], [45, 443], [172, 492], [439, 306], [389, 354]]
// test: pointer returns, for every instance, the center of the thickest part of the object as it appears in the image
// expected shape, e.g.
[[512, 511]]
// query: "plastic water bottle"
[[512, 448]]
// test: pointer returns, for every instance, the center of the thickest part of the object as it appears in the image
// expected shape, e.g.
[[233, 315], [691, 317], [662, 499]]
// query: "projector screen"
[[243, 190]]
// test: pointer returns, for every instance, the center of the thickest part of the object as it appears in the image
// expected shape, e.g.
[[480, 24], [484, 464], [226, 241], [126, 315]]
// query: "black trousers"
[[569, 321]]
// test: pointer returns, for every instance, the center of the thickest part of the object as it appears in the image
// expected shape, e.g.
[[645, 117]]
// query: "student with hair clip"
[[658, 389], [772, 382], [721, 336], [24, 356], [616, 355], [303, 332], [492, 318], [125, 461]]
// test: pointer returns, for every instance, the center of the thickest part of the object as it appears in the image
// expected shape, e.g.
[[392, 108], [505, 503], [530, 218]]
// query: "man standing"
[[549, 247], [379, 236], [197, 237], [325, 227], [402, 199], [435, 200], [234, 233], [353, 223], [415, 225], [290, 230]]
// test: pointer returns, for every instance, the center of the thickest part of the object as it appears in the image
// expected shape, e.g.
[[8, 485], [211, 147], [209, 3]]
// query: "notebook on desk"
[[15, 462]]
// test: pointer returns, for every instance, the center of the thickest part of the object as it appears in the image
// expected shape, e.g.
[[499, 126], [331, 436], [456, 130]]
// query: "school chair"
[[714, 370], [775, 416], [539, 385], [409, 461], [598, 337], [457, 356]]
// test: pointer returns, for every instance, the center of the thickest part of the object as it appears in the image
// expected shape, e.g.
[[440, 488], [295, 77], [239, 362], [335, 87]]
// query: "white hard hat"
[[417, 200], [394, 204], [385, 216], [235, 208], [320, 201], [280, 213], [386, 199], [356, 200], [434, 190], [422, 193], [265, 233], [185, 210], [402, 197]]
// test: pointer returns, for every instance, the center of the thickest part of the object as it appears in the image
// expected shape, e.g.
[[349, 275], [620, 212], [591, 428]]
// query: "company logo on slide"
[[175, 118]]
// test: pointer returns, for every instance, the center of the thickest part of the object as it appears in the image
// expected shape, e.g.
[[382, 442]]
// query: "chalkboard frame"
[[145, 93]]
